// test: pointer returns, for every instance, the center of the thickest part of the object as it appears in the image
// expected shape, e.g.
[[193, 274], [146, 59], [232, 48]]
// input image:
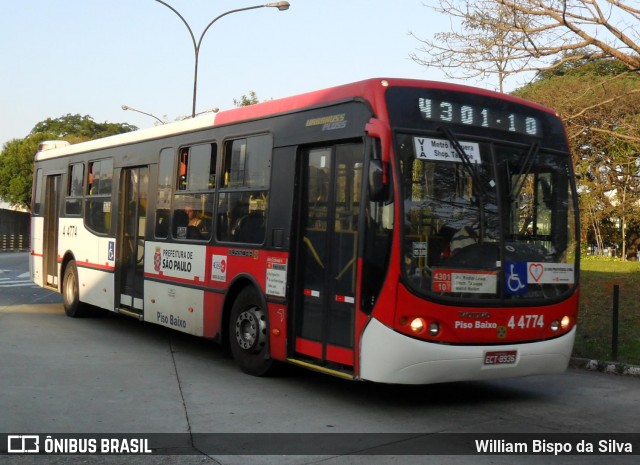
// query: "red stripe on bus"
[[196, 281], [96, 266]]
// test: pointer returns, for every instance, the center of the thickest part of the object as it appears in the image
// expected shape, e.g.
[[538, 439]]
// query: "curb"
[[615, 368]]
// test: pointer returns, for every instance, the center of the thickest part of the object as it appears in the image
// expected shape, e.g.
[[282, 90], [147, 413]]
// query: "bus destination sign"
[[484, 116]]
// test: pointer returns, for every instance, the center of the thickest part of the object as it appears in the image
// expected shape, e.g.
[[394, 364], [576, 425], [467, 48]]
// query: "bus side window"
[[36, 199], [163, 204], [183, 164], [98, 200], [193, 200], [243, 199], [73, 203]]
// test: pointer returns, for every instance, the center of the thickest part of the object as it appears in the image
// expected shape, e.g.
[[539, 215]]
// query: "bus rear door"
[[53, 193], [134, 187]]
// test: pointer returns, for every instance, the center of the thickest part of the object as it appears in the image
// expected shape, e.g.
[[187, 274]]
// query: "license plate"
[[502, 357]]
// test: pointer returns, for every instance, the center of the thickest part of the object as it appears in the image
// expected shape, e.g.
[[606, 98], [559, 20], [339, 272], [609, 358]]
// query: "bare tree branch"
[[503, 38]]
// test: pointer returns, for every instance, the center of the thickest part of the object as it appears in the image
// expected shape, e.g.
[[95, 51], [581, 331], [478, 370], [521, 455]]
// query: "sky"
[[93, 56]]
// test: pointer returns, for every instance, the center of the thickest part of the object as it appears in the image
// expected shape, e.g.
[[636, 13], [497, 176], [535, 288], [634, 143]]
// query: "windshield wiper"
[[475, 177], [525, 167], [466, 162]]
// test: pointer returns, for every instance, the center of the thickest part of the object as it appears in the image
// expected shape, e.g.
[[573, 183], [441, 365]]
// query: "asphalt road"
[[117, 375], [16, 286]]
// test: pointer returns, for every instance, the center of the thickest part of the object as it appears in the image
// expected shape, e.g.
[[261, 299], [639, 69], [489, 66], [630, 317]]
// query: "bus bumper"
[[387, 356]]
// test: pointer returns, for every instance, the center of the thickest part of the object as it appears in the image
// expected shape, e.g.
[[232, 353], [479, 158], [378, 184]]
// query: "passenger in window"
[[196, 227], [194, 218]]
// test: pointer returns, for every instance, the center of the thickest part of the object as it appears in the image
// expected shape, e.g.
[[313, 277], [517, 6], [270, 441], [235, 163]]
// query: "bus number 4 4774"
[[526, 321]]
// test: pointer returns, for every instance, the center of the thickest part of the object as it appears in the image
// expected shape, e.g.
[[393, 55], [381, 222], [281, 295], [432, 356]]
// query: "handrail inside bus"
[[314, 252]]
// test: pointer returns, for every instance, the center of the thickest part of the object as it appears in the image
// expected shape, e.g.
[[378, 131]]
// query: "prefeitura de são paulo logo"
[[157, 259]]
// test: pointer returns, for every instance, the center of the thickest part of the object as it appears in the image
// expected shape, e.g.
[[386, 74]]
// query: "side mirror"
[[378, 174], [379, 129], [377, 186]]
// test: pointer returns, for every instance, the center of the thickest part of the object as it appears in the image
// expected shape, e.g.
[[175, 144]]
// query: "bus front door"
[[53, 191], [324, 308], [134, 186]]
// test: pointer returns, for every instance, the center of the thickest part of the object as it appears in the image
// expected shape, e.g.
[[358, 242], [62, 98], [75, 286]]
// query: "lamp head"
[[282, 6]]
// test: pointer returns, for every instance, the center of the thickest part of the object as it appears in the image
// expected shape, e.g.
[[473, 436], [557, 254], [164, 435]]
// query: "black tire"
[[71, 292], [249, 333]]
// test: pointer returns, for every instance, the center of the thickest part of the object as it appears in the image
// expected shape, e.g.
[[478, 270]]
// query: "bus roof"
[[372, 90], [156, 132]]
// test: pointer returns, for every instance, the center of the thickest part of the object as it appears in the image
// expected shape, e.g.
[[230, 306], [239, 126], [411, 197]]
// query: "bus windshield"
[[486, 218]]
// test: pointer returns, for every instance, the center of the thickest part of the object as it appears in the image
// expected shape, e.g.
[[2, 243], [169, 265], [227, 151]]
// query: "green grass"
[[598, 276]]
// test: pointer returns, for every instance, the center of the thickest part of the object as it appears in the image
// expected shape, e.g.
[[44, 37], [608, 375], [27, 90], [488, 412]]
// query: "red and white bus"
[[390, 230]]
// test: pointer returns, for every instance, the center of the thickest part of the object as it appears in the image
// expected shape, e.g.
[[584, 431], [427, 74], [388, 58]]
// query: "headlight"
[[417, 325]]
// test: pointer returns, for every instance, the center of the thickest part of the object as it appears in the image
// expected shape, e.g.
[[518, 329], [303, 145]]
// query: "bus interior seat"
[[250, 228], [180, 221], [162, 223]]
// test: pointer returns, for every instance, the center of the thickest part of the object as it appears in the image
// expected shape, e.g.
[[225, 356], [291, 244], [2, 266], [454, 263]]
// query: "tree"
[[599, 102], [535, 35], [245, 100], [16, 157], [16, 170], [480, 49], [76, 128], [608, 27]]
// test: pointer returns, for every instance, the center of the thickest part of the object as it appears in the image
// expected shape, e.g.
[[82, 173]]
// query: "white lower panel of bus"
[[36, 258], [387, 356], [96, 287], [174, 306]]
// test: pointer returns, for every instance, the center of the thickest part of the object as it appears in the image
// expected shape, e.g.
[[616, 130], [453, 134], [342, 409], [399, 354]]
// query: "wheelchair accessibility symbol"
[[516, 278], [111, 254]]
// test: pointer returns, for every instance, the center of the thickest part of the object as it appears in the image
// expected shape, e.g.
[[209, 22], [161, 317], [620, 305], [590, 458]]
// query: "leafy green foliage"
[[247, 100], [583, 66], [16, 157], [16, 170], [599, 101], [79, 128]]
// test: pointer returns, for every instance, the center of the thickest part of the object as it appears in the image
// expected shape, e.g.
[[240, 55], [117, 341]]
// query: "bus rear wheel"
[[248, 333], [71, 292]]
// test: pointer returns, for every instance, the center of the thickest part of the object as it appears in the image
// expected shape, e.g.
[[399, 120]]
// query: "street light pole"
[[127, 107], [281, 6]]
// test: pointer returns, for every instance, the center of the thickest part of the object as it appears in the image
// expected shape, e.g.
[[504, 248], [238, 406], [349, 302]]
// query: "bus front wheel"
[[71, 293], [248, 333]]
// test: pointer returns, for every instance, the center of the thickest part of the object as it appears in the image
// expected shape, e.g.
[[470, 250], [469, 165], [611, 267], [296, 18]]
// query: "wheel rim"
[[251, 329], [70, 288]]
